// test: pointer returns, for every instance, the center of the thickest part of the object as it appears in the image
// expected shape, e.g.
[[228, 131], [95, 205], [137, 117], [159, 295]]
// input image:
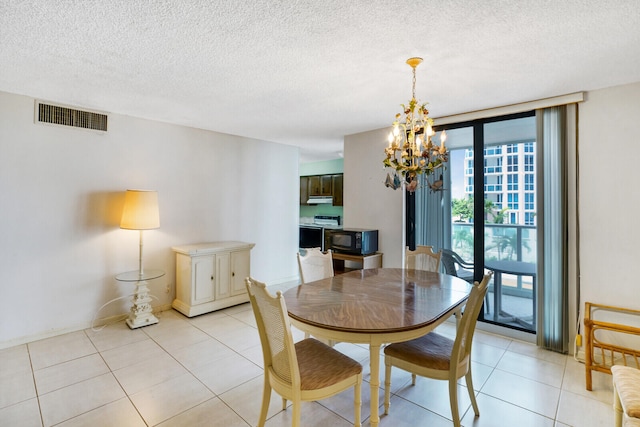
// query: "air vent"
[[58, 115]]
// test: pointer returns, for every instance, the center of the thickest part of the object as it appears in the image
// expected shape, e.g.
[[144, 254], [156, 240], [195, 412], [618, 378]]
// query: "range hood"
[[320, 200]]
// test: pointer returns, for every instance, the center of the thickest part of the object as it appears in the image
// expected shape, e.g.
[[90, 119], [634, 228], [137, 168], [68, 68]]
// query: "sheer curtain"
[[552, 278], [433, 214]]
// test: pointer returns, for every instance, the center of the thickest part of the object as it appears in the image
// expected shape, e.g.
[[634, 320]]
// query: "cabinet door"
[[240, 262], [337, 189], [314, 185], [325, 185], [304, 190], [223, 279], [203, 276]]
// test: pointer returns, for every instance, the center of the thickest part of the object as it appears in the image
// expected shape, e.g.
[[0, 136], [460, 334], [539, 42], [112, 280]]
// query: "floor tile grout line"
[[35, 385]]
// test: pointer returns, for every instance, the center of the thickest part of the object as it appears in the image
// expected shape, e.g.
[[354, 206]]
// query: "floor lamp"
[[140, 212]]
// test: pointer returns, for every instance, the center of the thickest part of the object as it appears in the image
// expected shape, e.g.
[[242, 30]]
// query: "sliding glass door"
[[509, 150], [486, 212]]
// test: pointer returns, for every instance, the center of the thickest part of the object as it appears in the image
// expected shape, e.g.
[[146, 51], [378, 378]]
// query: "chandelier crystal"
[[410, 152]]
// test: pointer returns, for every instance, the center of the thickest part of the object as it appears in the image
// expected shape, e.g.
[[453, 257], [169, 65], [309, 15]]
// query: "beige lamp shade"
[[140, 210]]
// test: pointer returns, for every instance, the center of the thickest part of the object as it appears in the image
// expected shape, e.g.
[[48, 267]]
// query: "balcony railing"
[[502, 242]]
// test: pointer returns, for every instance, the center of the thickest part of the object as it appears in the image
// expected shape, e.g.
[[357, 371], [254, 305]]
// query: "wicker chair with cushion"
[[438, 357], [423, 258], [304, 371], [626, 396]]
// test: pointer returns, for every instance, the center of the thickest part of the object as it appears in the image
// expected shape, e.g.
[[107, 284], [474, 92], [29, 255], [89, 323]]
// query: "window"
[[528, 163], [512, 202], [529, 182], [529, 201], [529, 218], [493, 165], [512, 163], [493, 183], [528, 147], [512, 148], [512, 182], [493, 151]]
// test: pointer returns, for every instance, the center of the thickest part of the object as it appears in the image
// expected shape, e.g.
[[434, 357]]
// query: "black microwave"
[[356, 241]]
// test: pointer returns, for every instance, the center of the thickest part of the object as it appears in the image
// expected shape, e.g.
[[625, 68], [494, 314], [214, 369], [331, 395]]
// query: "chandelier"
[[410, 152]]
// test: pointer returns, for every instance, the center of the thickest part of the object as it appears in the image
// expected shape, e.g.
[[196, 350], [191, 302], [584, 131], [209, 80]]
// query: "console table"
[[210, 276], [340, 261]]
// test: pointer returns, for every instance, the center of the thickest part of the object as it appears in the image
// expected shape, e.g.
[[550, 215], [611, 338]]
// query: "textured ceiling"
[[307, 73]]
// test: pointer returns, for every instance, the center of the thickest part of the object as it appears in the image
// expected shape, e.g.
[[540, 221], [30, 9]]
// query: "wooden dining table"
[[376, 306]]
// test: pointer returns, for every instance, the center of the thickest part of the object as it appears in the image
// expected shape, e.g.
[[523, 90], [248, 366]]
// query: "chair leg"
[[472, 393], [387, 387], [357, 403], [453, 399], [284, 404], [266, 398], [617, 407], [296, 413]]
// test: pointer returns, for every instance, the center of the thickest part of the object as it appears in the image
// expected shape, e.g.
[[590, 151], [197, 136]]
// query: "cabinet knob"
[[233, 274], [211, 277]]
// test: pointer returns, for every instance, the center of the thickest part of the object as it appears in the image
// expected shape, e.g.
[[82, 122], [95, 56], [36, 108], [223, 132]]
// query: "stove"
[[326, 220]]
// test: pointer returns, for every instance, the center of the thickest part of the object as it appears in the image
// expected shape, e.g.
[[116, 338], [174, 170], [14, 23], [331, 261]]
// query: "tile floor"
[[206, 371]]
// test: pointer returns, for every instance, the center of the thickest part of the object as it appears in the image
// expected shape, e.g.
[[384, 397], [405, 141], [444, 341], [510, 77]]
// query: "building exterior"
[[509, 181]]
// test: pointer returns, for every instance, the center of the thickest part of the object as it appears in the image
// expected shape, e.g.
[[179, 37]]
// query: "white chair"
[[315, 265], [304, 371], [423, 258], [438, 357]]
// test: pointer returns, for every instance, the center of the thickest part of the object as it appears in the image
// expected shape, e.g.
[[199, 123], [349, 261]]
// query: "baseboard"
[[80, 327]]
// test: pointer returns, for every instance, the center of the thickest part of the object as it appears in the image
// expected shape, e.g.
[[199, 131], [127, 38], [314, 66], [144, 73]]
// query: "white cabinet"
[[210, 276]]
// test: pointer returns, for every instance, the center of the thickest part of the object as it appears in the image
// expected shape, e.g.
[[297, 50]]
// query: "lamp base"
[[141, 312]]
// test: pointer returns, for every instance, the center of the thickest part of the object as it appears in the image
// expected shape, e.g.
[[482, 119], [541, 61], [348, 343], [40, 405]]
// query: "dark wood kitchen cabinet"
[[313, 185], [304, 190], [336, 185], [328, 185], [326, 188]]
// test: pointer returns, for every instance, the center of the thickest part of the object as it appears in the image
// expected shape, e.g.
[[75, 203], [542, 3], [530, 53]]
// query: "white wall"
[[609, 129], [62, 192], [609, 161], [367, 202]]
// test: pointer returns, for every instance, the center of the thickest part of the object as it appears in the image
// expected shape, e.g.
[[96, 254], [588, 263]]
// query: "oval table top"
[[377, 300]]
